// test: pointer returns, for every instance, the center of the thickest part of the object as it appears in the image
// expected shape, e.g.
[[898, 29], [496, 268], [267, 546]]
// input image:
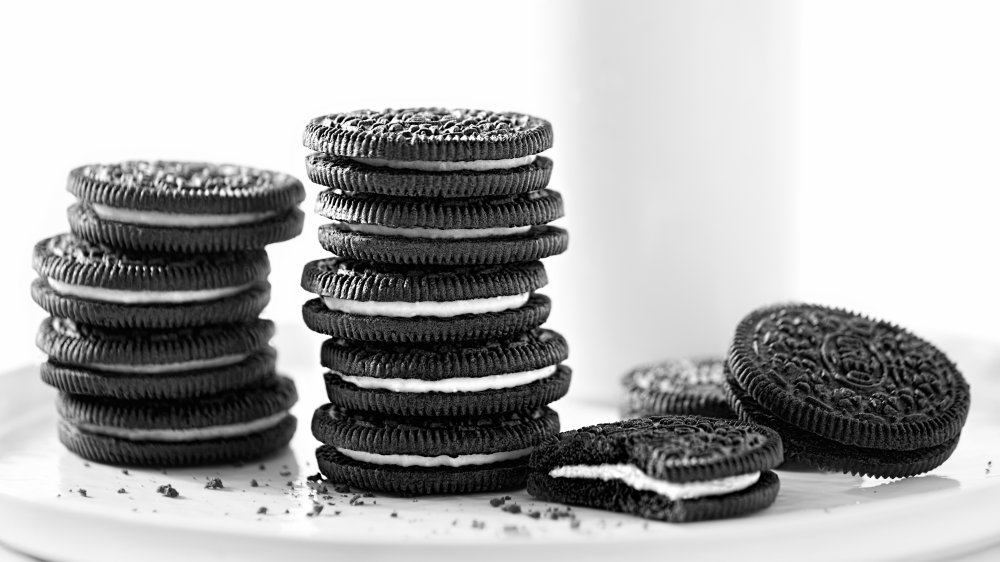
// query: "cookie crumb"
[[535, 514], [122, 491], [316, 510], [512, 508], [393, 514], [336, 513], [82, 492], [125, 471], [315, 477], [86, 464], [342, 488], [477, 524], [214, 484], [253, 483], [261, 510], [262, 467], [574, 523], [287, 512], [496, 502], [285, 473], [168, 491]]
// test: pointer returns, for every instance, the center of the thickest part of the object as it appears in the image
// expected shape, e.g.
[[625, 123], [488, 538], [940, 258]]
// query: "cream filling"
[[192, 365], [638, 480], [191, 434], [441, 309], [433, 233], [436, 166], [142, 297], [457, 384], [156, 218], [440, 460]]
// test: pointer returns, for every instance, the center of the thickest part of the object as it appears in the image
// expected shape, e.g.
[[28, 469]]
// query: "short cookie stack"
[[155, 340], [439, 374]]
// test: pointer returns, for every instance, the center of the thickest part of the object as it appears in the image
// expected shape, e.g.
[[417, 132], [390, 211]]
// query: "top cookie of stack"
[[435, 186]]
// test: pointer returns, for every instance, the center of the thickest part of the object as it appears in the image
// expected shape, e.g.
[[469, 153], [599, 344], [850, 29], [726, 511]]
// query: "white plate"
[[952, 510]]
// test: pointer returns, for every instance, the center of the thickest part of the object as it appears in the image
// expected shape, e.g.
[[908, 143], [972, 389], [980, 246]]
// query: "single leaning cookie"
[[379, 302], [670, 468], [233, 426], [518, 373], [846, 392], [429, 455], [184, 206], [137, 363], [677, 386], [99, 285]]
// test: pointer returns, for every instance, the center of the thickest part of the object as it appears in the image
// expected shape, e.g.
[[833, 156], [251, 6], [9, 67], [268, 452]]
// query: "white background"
[[713, 156]]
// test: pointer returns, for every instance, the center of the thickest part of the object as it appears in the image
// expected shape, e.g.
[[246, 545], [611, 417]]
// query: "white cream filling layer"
[[192, 434], [441, 309], [435, 166], [158, 368], [433, 233], [156, 218], [440, 460], [142, 297], [639, 480], [457, 384]]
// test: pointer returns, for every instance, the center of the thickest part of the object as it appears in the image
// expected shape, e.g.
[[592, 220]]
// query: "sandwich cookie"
[[429, 455], [184, 206], [448, 379], [99, 285], [846, 392], [138, 363], [677, 386], [670, 468], [436, 231], [366, 301], [352, 176], [233, 426]]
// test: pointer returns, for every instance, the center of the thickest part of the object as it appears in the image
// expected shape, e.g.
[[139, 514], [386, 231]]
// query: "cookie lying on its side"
[[676, 386], [184, 206], [233, 426], [429, 455], [671, 468], [372, 302], [102, 286], [448, 379], [149, 364], [846, 392]]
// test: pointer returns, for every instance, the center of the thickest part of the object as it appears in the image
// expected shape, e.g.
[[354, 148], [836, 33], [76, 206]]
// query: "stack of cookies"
[[154, 339], [439, 374]]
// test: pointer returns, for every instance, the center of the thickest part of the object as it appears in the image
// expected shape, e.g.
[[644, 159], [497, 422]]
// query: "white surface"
[[950, 511]]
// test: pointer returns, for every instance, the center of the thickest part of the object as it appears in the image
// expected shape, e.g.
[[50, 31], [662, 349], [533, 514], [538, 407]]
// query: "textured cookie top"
[[368, 281], [260, 400], [849, 378], [185, 187], [702, 376], [429, 133], [526, 351], [432, 436], [73, 260], [673, 448]]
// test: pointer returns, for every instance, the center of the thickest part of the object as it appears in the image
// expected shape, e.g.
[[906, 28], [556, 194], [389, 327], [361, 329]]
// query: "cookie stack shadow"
[[439, 374], [155, 340]]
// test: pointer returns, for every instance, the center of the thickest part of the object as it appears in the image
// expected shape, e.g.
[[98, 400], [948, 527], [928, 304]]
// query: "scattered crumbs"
[[342, 488], [122, 491], [454, 522], [496, 502], [535, 514], [512, 508], [393, 514], [477, 524], [125, 471], [290, 484], [253, 483], [414, 500], [58, 495], [262, 510], [262, 467], [86, 464], [285, 473], [214, 484], [168, 491], [989, 465], [82, 492], [355, 500], [336, 513], [287, 512], [317, 508], [574, 523]]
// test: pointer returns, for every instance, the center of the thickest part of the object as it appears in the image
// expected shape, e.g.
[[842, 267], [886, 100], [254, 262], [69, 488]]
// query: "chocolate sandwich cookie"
[[846, 392], [154, 363], [352, 176], [677, 386], [233, 426], [381, 302], [99, 285], [184, 206], [518, 373], [436, 231], [670, 468], [429, 455]]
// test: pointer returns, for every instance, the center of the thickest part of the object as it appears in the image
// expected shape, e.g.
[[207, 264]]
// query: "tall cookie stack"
[[439, 374], [155, 340]]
